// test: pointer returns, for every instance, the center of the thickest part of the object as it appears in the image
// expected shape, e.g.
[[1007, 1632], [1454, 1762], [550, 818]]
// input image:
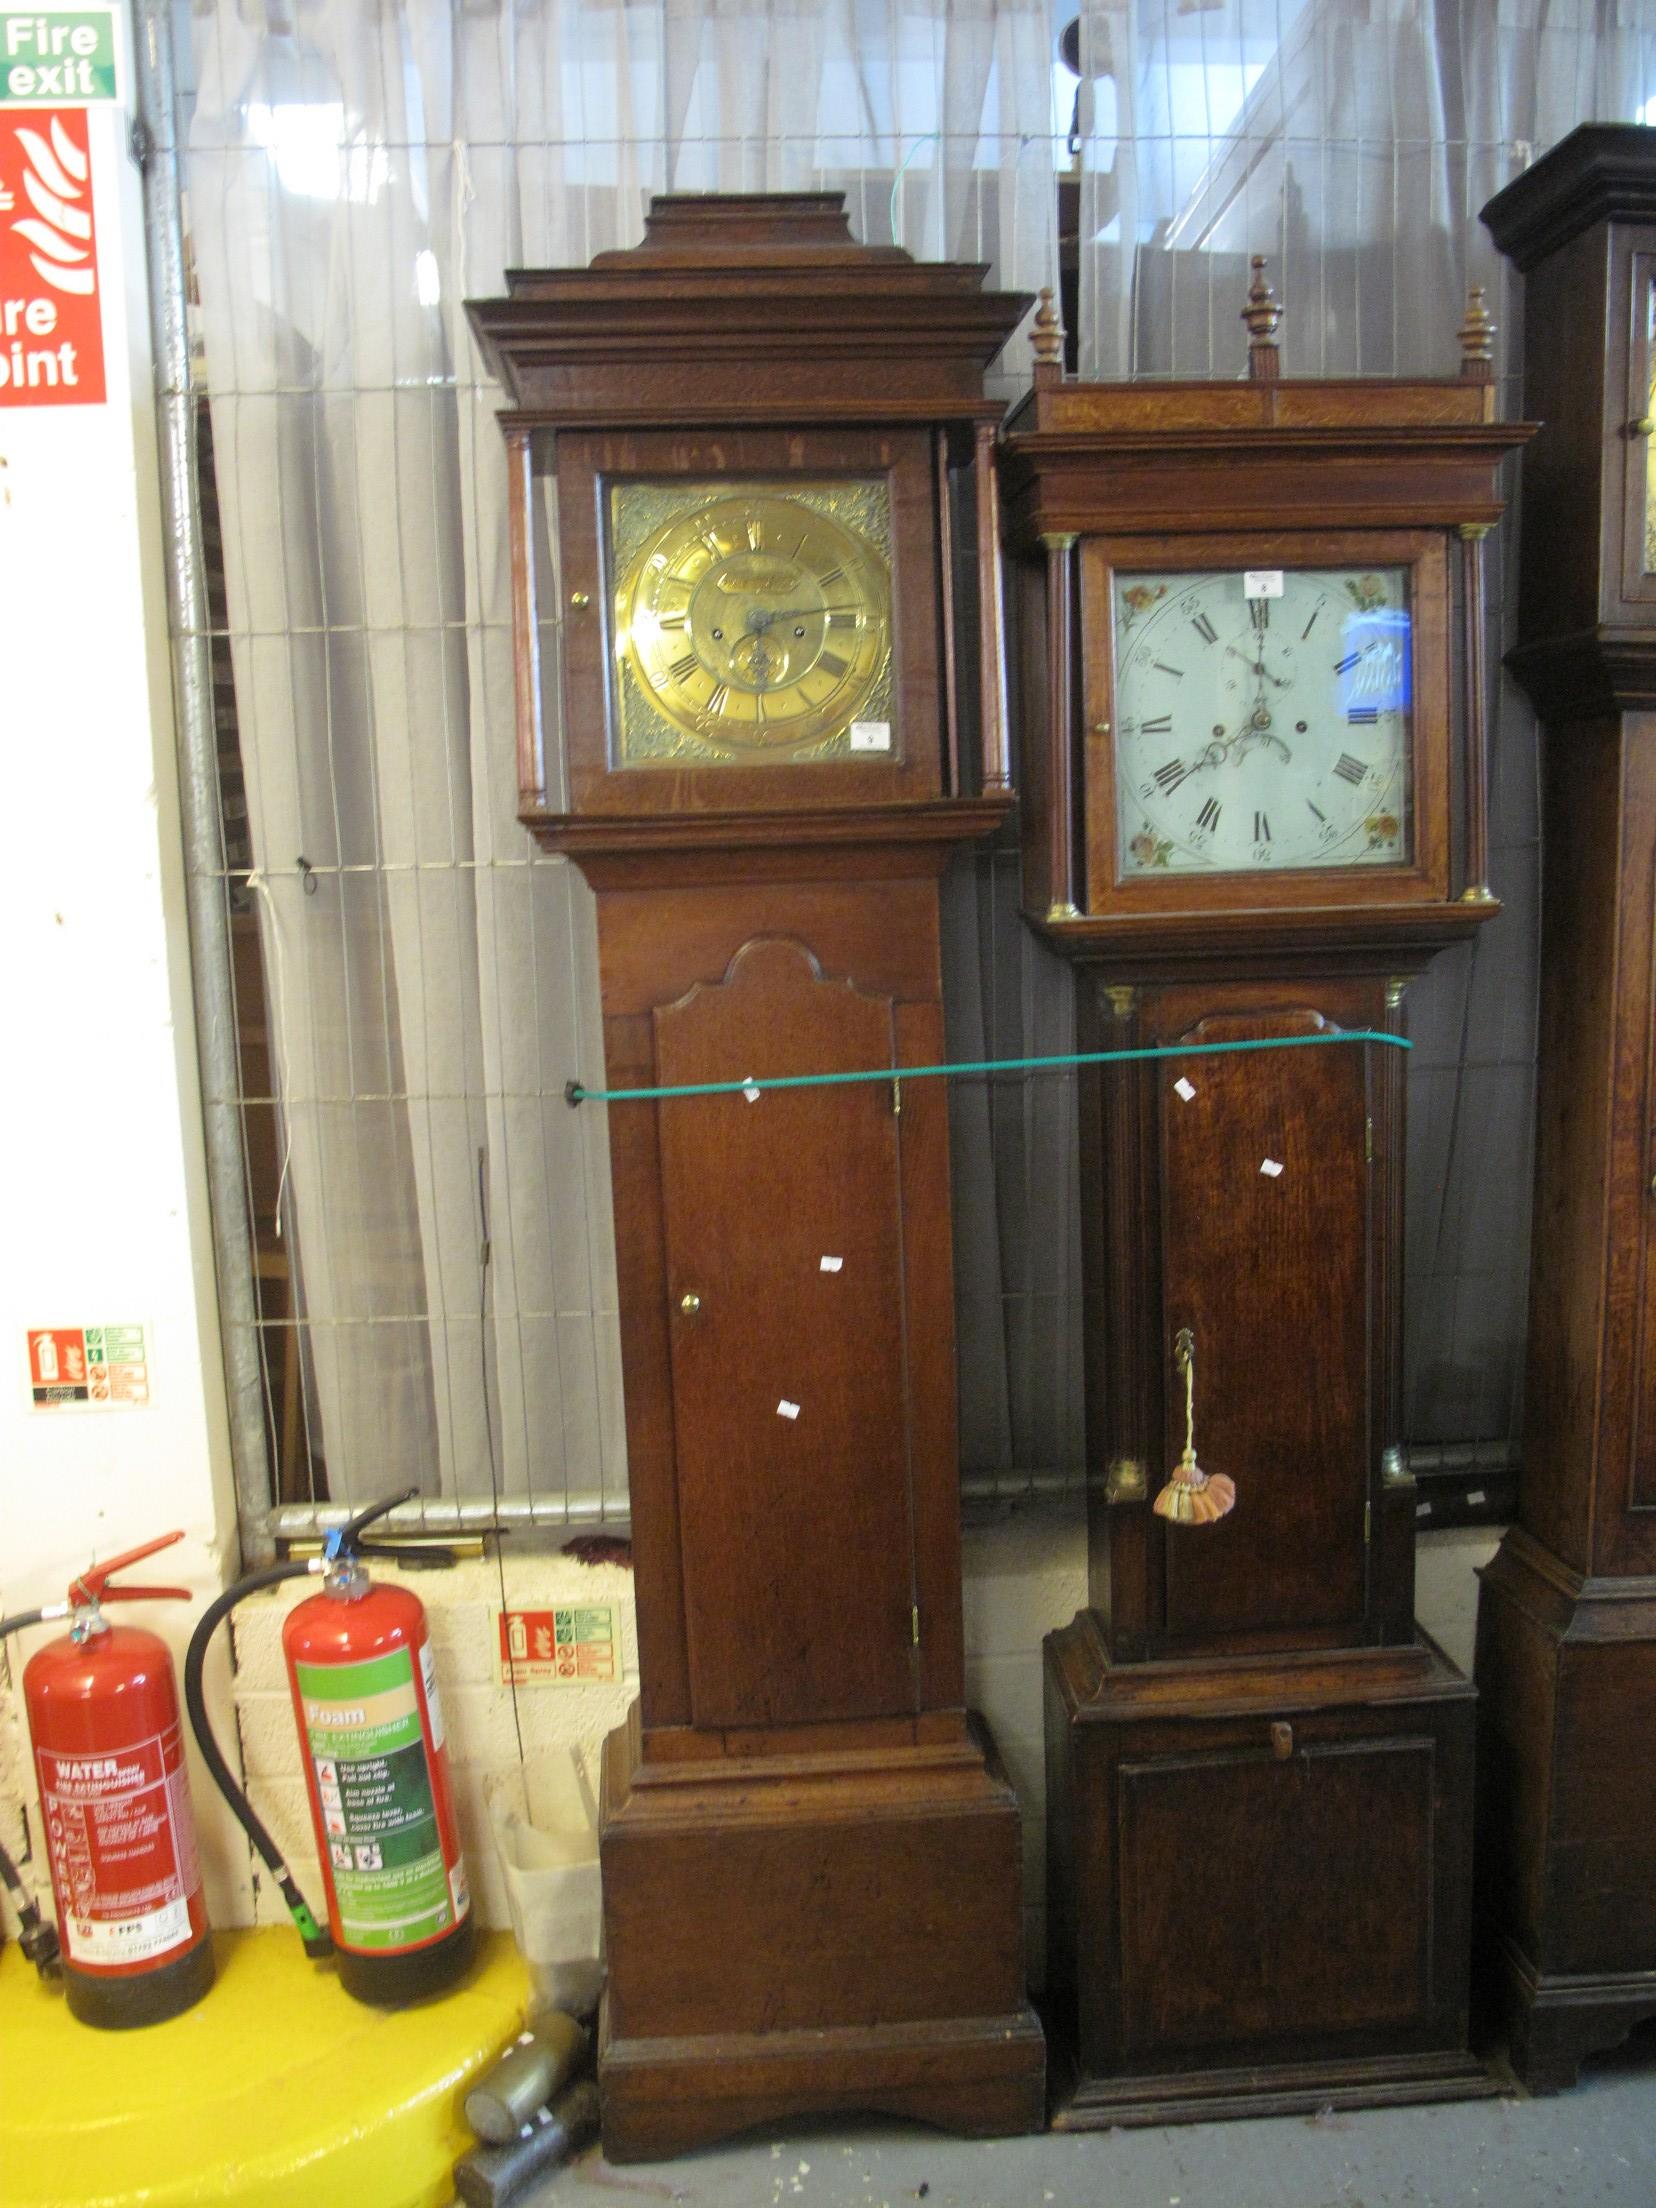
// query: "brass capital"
[[1394, 1469], [1122, 998], [1062, 910], [1059, 540], [1395, 989], [1479, 894], [1470, 531]]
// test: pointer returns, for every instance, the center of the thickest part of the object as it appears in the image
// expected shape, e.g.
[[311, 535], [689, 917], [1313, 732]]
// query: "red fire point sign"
[[51, 330]]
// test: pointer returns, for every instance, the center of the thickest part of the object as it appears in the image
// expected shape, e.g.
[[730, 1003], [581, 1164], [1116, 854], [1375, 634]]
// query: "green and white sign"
[[53, 59], [373, 1786]]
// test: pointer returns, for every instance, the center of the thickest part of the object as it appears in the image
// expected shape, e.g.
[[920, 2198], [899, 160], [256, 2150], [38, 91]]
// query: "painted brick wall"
[[1022, 1578]]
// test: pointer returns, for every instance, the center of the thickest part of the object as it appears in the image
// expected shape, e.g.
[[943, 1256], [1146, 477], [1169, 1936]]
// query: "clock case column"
[[1566, 1662], [1260, 1771], [812, 1858]]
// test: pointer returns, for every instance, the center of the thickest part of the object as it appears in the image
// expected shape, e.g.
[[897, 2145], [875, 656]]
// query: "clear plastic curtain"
[[358, 168], [1353, 142]]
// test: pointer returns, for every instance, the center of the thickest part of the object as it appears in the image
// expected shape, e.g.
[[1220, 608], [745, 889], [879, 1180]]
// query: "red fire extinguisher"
[[370, 1723], [115, 1799]]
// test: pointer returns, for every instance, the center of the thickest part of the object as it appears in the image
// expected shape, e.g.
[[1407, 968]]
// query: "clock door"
[[789, 1356], [1265, 1254]]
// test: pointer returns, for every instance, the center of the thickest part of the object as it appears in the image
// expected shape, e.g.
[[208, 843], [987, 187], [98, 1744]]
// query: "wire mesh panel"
[[416, 984]]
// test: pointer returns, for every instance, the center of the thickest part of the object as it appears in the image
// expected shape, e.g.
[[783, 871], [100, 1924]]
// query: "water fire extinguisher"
[[370, 1721], [115, 1799]]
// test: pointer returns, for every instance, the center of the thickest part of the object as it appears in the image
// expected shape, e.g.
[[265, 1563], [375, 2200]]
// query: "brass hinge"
[[897, 1097], [1368, 1142], [1368, 1519], [914, 1620]]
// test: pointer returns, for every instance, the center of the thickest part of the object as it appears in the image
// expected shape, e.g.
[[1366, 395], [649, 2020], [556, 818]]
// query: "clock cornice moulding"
[[664, 327]]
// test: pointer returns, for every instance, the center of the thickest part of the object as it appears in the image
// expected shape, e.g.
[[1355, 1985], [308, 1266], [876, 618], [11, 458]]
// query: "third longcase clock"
[[1241, 668], [1567, 1616]]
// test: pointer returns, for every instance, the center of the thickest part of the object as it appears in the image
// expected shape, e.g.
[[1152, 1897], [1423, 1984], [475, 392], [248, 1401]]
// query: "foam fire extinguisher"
[[115, 1799], [370, 1724]]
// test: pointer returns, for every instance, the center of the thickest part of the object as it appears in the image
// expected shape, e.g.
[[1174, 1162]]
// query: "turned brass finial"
[[1477, 339], [1046, 339], [1262, 314]]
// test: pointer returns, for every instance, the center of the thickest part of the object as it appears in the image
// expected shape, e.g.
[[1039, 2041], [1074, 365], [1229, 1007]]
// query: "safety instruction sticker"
[[122, 1850], [569, 1646], [373, 1784], [99, 1368], [51, 319]]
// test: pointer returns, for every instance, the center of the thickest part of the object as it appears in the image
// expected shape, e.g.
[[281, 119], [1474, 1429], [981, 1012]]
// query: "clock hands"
[[1282, 682]]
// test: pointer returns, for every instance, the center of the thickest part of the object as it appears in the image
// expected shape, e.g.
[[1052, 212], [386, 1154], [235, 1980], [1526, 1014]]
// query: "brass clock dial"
[[1263, 720], [752, 623]]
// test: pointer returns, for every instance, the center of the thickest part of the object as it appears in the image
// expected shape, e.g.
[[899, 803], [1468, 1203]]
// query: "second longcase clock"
[[1239, 765]]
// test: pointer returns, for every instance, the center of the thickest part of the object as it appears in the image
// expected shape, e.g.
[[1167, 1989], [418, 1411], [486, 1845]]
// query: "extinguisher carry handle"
[[92, 1587]]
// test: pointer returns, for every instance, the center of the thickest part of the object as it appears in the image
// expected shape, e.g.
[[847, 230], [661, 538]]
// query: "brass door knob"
[[580, 600], [1643, 425], [1282, 1742], [690, 1303]]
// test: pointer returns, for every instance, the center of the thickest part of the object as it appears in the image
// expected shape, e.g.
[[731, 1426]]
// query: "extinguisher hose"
[[317, 1942], [39, 1940], [21, 1618]]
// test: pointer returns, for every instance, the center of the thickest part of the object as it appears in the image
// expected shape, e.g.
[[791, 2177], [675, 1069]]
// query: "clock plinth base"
[[1269, 2089], [800, 1935], [1554, 2021], [1566, 1872], [1259, 1880]]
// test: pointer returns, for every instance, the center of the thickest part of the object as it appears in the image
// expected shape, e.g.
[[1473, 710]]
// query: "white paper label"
[[1270, 1166], [434, 1707], [128, 1939], [750, 1089], [832, 1264], [870, 735], [1262, 582], [1184, 1088], [785, 1409]]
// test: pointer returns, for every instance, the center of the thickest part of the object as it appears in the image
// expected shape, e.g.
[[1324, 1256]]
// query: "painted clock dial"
[[752, 622], [1263, 719]]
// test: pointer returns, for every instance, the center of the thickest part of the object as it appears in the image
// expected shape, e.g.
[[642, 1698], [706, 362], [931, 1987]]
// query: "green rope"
[[574, 1093]]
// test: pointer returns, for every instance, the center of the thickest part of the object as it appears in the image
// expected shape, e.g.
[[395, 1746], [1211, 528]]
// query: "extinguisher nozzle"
[[318, 1942]]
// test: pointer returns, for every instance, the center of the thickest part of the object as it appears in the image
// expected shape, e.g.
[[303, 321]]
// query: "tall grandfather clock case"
[[1566, 1662], [1248, 818], [755, 548]]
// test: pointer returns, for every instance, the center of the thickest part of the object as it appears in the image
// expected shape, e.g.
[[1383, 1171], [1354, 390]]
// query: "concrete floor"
[[1594, 2147]]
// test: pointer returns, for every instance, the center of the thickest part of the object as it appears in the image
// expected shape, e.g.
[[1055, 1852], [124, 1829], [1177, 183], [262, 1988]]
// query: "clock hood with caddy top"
[[1259, 1769]]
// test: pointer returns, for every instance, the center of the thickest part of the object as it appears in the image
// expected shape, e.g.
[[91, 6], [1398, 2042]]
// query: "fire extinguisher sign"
[[97, 1368], [51, 325], [573, 1645]]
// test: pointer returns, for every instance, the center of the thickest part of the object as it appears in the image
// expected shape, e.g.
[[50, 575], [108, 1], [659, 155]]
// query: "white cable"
[[257, 882]]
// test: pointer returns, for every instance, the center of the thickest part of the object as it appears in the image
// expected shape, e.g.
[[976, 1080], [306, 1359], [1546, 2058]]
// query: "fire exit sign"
[[49, 59]]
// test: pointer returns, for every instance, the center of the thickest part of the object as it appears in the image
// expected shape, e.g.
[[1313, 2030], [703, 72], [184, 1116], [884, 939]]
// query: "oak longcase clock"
[[756, 561], [1566, 1663], [1248, 701]]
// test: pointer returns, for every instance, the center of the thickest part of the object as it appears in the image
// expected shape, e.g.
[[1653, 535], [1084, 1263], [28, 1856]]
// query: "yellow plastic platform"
[[276, 2091]]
